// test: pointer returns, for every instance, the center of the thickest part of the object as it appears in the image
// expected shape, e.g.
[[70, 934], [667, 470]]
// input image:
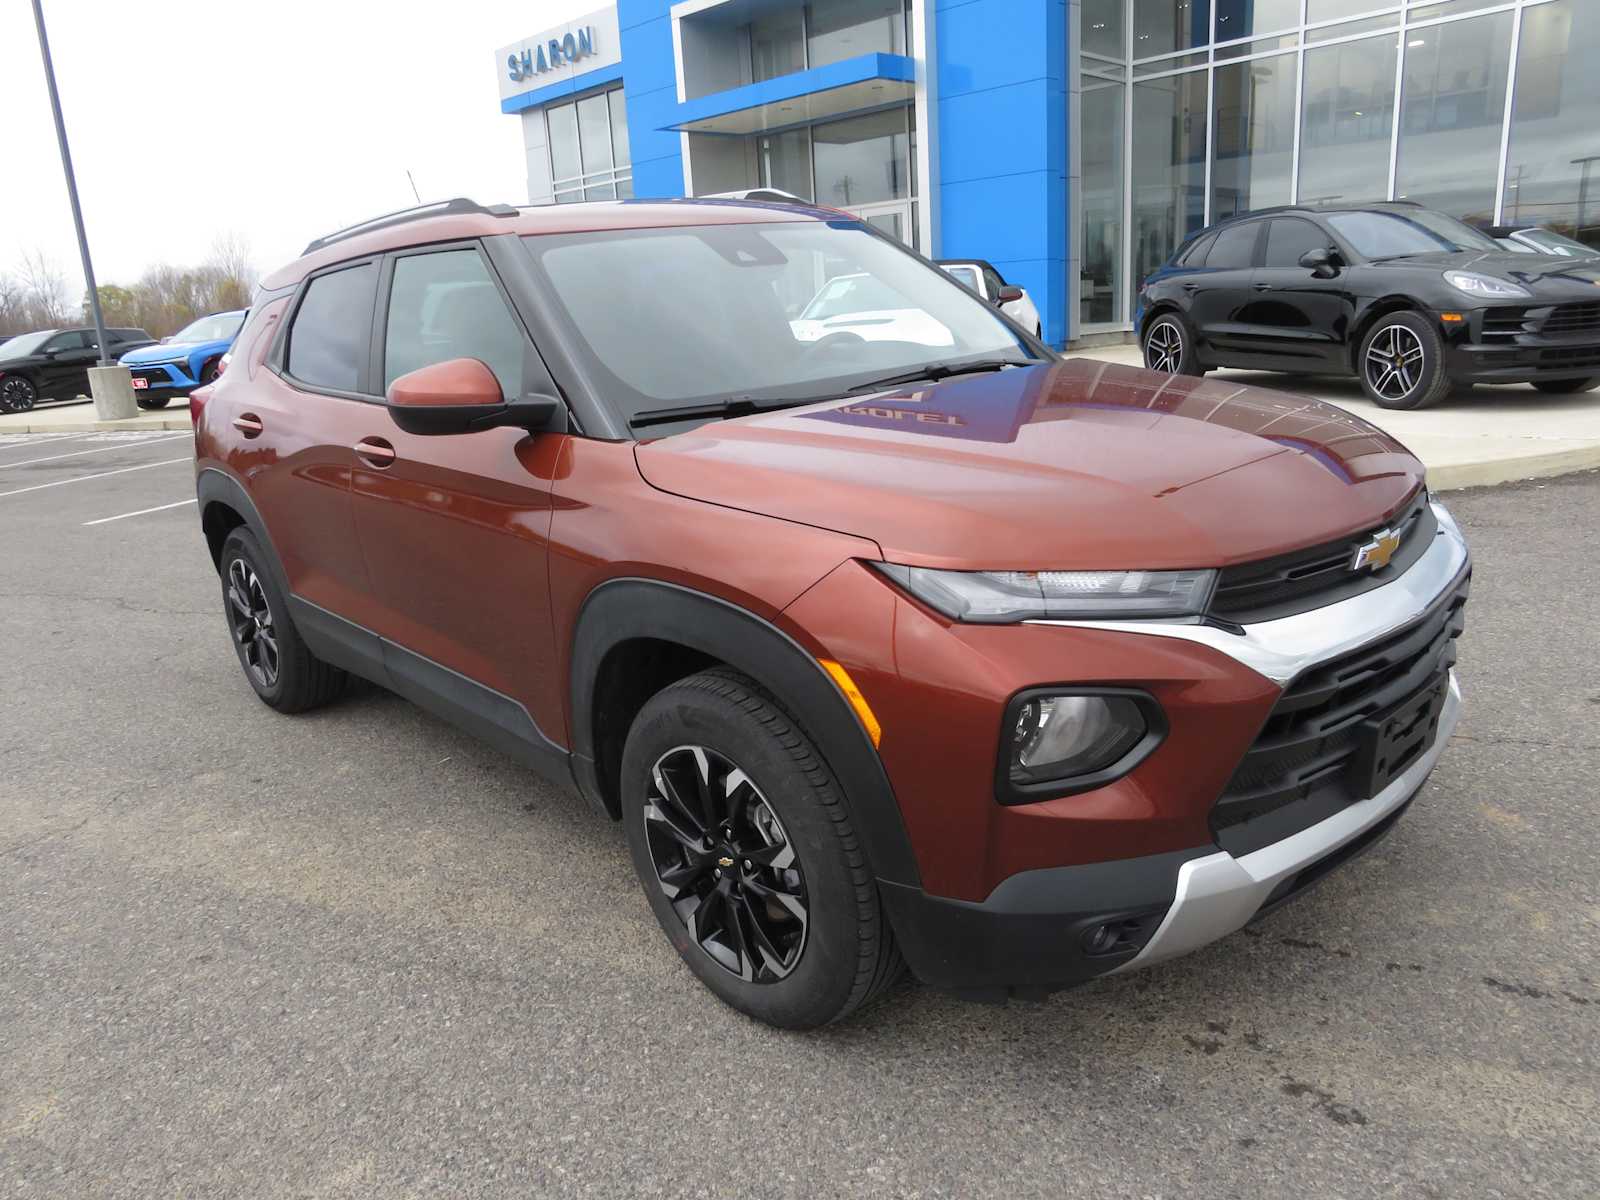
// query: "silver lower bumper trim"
[[1219, 893]]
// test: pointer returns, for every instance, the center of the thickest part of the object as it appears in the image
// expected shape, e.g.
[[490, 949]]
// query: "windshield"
[[1389, 234], [218, 328], [1556, 242], [669, 317], [25, 344]]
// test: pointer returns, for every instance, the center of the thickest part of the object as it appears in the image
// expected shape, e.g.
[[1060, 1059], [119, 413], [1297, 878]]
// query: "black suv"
[[53, 364], [1409, 300]]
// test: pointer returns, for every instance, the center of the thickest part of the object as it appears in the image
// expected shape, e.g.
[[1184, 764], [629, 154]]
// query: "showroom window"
[[864, 164], [588, 141], [786, 40], [1190, 111]]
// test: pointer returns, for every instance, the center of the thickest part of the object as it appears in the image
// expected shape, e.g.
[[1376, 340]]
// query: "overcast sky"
[[194, 118]]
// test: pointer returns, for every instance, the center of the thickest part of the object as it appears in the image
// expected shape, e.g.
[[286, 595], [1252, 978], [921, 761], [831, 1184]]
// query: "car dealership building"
[[1072, 143]]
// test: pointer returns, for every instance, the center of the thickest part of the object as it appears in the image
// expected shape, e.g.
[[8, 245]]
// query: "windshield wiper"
[[733, 406], [937, 371]]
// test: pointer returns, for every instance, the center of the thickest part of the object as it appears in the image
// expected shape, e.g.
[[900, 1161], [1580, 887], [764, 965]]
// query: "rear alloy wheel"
[[1168, 347], [1566, 387], [1402, 363], [17, 394], [741, 839]]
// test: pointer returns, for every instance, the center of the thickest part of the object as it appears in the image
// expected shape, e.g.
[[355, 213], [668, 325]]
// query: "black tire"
[[209, 372], [17, 394], [151, 402], [290, 679], [1168, 345], [1401, 363], [830, 955], [1566, 387]]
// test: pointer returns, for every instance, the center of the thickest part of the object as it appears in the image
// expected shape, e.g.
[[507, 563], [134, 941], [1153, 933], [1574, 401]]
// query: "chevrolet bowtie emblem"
[[724, 862], [1375, 555]]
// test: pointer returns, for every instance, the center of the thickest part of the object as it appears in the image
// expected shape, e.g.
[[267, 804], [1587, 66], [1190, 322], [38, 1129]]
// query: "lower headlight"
[[1061, 741]]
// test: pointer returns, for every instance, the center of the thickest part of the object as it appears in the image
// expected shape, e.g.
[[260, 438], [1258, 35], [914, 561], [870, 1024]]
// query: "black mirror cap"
[[534, 413]]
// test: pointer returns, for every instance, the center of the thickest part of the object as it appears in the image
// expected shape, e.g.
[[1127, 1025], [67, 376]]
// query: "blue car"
[[185, 361]]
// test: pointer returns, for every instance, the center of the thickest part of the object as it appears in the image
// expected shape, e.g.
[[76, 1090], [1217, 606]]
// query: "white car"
[[1534, 239], [987, 282], [864, 308]]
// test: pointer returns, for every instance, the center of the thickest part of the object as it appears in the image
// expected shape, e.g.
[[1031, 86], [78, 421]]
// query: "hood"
[[165, 352], [1546, 274], [1071, 465]]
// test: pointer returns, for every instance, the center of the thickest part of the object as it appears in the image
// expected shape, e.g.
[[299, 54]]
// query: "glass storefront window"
[[786, 162], [1348, 121], [841, 29], [777, 43], [1254, 141], [1103, 29], [588, 141], [1551, 165], [1101, 284], [1165, 26], [862, 160], [1451, 111], [1169, 166], [1338, 10], [1247, 18]]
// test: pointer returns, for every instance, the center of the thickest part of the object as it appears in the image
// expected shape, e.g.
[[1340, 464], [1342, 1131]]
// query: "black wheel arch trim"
[[630, 608]]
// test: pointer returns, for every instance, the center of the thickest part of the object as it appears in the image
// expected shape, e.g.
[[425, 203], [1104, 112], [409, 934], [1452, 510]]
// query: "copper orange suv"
[[897, 643]]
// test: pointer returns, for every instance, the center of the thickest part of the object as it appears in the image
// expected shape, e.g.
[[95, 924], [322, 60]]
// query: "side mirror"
[[1008, 294], [1323, 262], [462, 395]]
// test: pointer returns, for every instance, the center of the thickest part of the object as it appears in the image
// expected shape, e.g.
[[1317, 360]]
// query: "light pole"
[[72, 183], [1583, 191]]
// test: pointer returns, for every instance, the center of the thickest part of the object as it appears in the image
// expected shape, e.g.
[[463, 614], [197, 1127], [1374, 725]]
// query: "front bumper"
[[1039, 930], [1509, 344], [163, 377]]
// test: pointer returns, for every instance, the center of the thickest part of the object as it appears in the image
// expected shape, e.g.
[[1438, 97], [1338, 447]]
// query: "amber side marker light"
[[857, 701], [1452, 318]]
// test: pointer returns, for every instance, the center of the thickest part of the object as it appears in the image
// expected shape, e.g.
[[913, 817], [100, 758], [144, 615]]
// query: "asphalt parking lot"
[[356, 953]]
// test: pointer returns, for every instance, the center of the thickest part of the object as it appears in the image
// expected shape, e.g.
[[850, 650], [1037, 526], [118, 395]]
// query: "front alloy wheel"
[[250, 618], [1394, 363], [725, 864]]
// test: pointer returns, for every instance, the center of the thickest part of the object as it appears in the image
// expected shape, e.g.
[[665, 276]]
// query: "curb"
[[128, 426], [1493, 471]]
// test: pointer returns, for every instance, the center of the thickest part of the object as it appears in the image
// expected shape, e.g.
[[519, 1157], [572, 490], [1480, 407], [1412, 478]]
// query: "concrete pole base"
[[112, 390]]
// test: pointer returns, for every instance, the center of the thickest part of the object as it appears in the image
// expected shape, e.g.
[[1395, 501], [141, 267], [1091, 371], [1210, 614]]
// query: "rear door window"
[[331, 335], [1235, 247], [446, 305]]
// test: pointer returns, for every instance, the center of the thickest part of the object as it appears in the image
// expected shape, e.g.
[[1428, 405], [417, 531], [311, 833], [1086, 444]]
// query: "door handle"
[[1263, 287], [248, 424], [375, 452], [1191, 288]]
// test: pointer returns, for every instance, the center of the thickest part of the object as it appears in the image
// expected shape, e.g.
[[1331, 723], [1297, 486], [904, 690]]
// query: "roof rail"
[[439, 208]]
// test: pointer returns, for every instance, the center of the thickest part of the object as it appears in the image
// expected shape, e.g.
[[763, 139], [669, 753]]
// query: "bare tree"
[[48, 301]]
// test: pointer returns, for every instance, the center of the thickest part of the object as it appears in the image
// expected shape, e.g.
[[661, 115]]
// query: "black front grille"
[[1569, 356], [1504, 324], [1305, 579], [1305, 764], [1571, 320]]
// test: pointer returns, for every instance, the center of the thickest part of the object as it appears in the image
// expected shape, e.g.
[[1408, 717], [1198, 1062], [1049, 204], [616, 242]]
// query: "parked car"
[[1014, 670], [860, 307], [1410, 301], [1535, 239], [188, 359], [53, 364], [988, 283]]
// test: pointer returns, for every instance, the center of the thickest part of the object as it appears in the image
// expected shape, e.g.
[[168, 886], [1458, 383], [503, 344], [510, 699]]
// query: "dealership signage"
[[569, 48], [588, 43]]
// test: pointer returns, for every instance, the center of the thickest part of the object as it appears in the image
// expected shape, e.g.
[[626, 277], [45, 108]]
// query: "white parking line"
[[28, 462], [85, 478], [141, 512], [32, 441]]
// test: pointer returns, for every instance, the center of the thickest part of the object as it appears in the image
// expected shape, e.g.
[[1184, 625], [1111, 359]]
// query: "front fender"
[[621, 610]]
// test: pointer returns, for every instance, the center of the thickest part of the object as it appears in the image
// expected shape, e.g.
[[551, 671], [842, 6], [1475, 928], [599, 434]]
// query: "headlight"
[[1055, 743], [1006, 597], [1485, 286]]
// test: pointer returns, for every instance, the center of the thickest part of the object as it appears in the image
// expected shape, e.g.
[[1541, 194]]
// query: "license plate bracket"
[[1394, 740], [140, 383]]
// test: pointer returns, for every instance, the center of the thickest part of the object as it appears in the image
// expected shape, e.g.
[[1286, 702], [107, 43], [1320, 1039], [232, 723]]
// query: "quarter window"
[[1235, 247], [444, 306], [329, 339], [1288, 240]]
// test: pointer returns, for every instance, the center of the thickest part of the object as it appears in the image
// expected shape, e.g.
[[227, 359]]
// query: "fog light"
[[1055, 737]]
